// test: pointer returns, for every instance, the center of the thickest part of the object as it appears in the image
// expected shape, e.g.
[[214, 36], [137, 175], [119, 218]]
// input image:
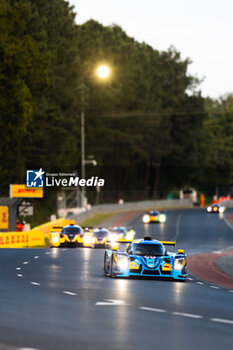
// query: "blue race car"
[[154, 216], [216, 208], [146, 257]]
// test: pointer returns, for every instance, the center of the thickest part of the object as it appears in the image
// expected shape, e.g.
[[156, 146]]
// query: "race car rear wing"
[[56, 229], [121, 240], [168, 242]]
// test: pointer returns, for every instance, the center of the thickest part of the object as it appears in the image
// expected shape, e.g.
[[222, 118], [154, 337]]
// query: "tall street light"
[[103, 72]]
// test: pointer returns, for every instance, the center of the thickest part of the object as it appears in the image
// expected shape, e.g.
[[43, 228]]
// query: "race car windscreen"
[[119, 230], [154, 213], [72, 230], [101, 234], [148, 249]]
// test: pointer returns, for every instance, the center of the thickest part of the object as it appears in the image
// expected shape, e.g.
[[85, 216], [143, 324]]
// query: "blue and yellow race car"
[[154, 216], [100, 237], [146, 257], [216, 208]]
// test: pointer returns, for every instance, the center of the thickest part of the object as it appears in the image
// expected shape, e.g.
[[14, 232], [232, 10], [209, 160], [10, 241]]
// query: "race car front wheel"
[[112, 273], [106, 268]]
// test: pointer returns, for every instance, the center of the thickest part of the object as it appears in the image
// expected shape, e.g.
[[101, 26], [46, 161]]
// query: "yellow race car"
[[67, 236]]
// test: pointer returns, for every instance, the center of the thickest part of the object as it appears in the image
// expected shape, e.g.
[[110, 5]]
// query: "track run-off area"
[[59, 299]]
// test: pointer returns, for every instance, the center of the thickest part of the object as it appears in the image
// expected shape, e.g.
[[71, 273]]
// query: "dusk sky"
[[201, 30]]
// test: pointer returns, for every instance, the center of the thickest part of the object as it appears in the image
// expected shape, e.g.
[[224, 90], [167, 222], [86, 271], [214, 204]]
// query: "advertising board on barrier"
[[21, 239], [4, 222]]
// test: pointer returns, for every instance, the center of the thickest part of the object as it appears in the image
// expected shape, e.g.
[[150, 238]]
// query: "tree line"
[[147, 126]]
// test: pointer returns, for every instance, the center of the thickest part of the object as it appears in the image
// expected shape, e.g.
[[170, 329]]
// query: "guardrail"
[[130, 206]]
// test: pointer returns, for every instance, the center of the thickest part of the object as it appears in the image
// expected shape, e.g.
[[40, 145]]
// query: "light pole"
[[102, 72]]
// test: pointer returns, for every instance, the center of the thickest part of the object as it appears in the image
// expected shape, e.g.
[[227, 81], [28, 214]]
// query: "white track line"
[[18, 268], [36, 257], [214, 287], [47, 253], [187, 315], [201, 283], [35, 283], [228, 223], [230, 291], [19, 275], [221, 320], [25, 262], [111, 302], [69, 293], [151, 309], [178, 226], [190, 279]]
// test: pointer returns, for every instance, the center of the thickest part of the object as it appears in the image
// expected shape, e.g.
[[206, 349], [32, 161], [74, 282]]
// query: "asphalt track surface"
[[58, 298]]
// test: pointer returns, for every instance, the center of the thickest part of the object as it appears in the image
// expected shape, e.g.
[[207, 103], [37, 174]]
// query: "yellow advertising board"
[[22, 239], [4, 224], [22, 191]]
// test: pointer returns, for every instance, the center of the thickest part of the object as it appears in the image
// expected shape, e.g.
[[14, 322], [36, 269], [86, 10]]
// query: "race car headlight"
[[129, 236], [123, 262], [87, 240], [146, 219], [209, 209], [178, 264], [162, 217], [113, 238], [55, 239]]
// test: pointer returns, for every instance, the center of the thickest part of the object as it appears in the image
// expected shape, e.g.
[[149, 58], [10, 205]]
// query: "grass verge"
[[96, 220]]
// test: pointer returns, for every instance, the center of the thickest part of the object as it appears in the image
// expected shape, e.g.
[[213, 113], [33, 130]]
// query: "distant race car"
[[146, 257], [216, 208], [67, 236], [154, 216], [121, 234], [99, 238], [87, 237]]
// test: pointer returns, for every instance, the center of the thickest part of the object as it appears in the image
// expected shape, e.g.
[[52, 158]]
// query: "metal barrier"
[[130, 206]]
